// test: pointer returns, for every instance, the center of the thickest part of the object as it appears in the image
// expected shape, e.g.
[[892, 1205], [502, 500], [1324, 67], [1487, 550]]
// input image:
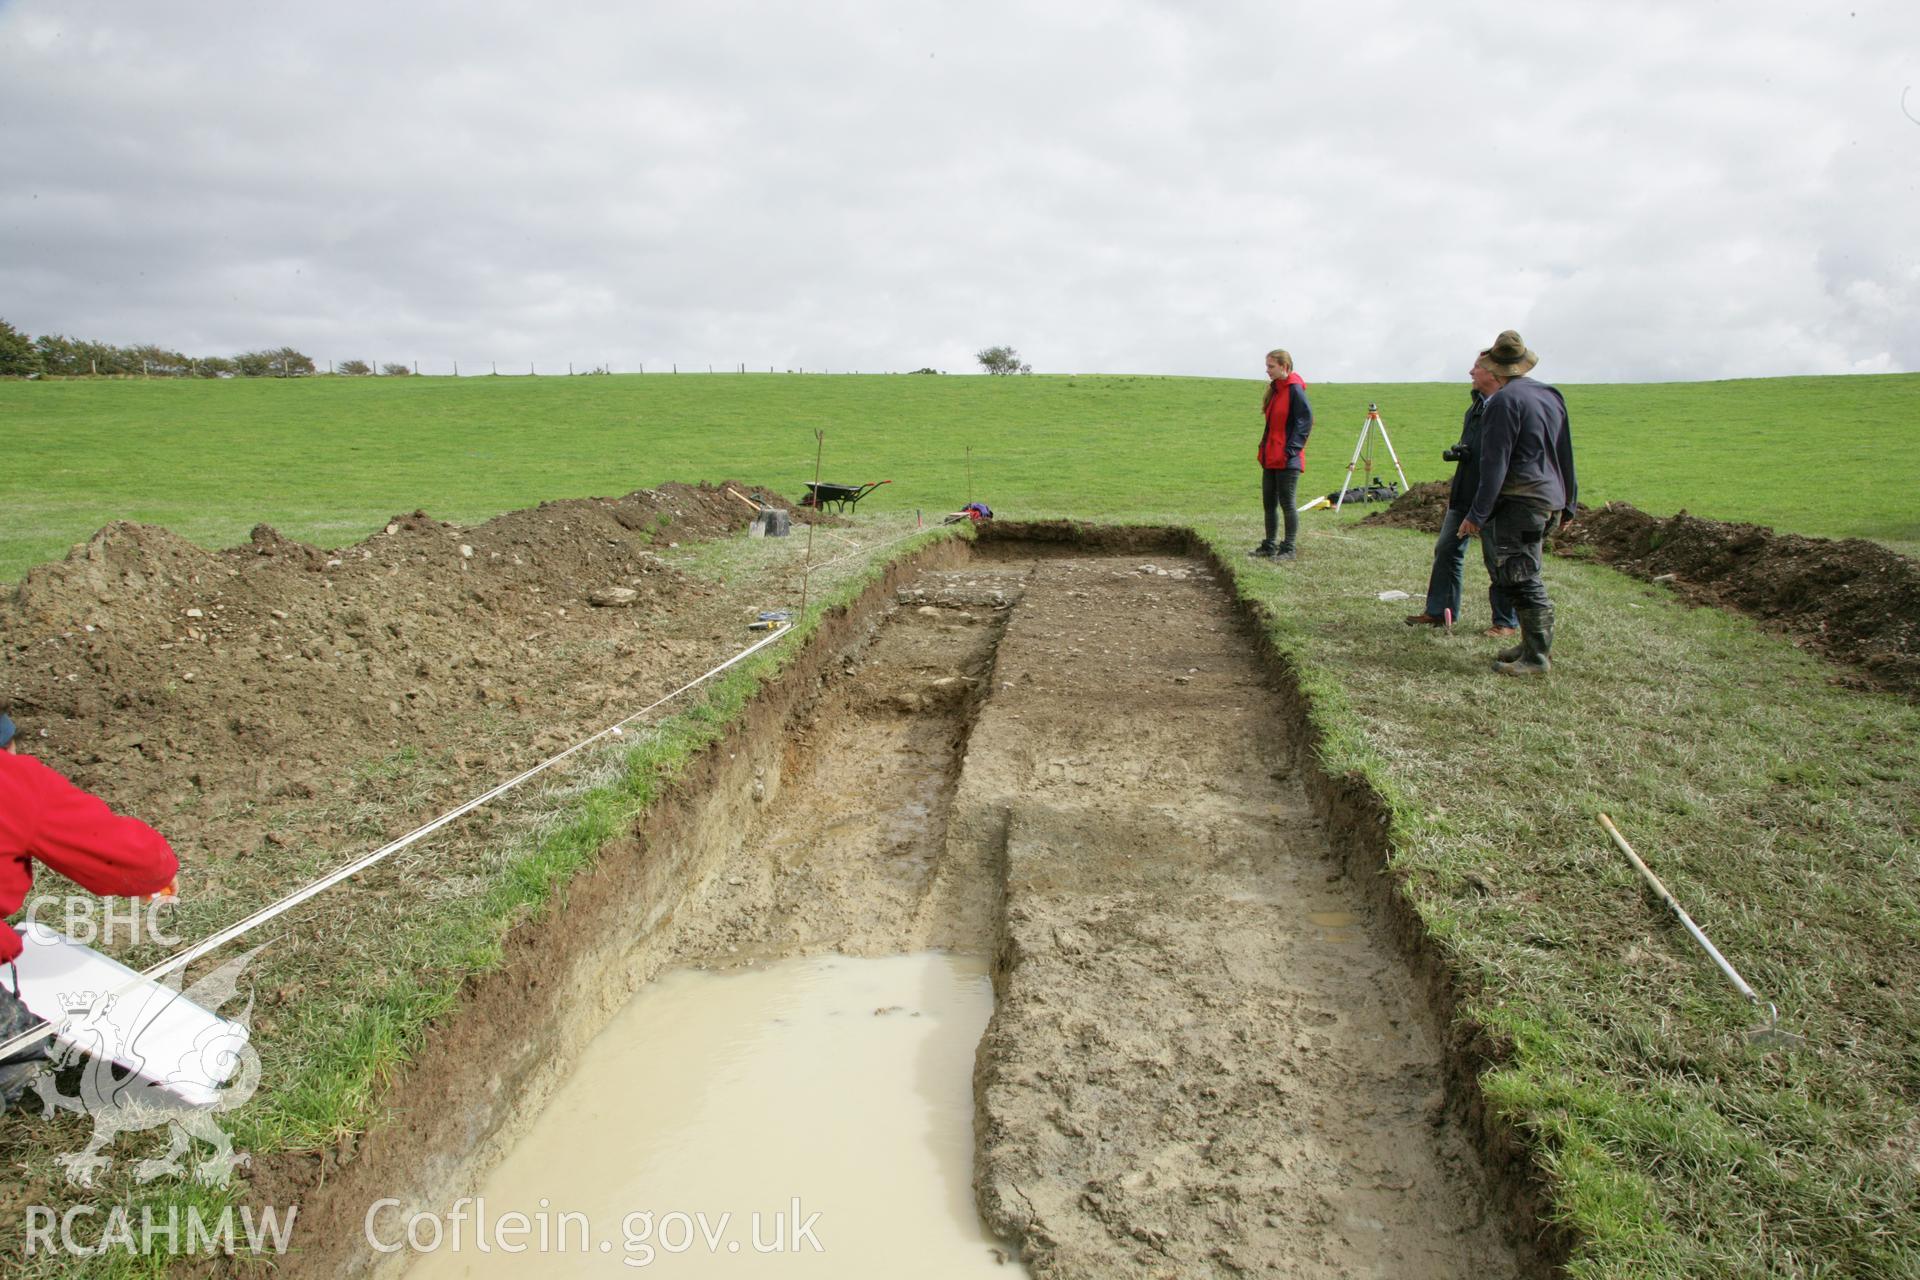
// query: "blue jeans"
[[1449, 565]]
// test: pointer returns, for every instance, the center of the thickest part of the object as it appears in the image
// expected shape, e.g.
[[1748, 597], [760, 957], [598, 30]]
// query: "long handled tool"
[[1769, 1034]]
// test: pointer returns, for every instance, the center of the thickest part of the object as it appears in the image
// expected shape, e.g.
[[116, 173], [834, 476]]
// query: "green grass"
[[328, 460], [1784, 813]]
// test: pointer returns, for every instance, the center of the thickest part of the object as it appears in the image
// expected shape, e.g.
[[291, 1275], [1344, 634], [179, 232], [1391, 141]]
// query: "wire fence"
[[462, 369], [571, 369]]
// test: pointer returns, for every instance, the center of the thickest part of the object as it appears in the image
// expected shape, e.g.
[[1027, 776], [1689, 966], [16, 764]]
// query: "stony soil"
[[226, 692], [1853, 601]]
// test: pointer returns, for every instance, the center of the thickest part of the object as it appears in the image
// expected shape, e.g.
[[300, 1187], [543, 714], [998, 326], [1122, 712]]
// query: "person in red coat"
[[1283, 452], [45, 817]]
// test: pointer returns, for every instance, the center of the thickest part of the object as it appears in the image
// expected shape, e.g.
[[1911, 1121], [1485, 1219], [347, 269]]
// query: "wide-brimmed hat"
[[1508, 357]]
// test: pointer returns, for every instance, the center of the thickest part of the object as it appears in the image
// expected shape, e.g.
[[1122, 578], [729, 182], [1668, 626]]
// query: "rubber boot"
[[1536, 642]]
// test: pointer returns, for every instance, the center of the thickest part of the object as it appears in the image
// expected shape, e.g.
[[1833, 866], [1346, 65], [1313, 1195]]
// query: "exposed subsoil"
[[851, 853], [1211, 1054], [1209, 1057], [1851, 600]]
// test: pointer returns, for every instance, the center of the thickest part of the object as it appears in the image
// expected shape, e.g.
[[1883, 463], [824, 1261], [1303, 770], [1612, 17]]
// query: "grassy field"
[[1782, 811], [328, 460], [1781, 808]]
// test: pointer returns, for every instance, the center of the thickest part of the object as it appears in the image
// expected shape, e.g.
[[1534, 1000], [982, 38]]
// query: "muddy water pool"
[[807, 1117]]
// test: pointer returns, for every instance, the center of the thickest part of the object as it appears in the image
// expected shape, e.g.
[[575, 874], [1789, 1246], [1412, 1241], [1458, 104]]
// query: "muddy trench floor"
[[1207, 1055]]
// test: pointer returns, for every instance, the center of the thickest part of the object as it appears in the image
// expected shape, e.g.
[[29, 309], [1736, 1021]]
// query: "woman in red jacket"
[[1283, 451], [45, 817]]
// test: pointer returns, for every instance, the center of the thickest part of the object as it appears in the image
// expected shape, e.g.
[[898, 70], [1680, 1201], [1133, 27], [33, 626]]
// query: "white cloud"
[[1645, 190]]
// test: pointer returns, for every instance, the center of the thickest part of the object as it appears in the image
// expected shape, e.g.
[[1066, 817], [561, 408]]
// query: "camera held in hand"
[[1456, 453]]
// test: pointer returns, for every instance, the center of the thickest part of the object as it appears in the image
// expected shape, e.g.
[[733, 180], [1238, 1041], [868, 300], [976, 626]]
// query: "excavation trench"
[[1065, 769]]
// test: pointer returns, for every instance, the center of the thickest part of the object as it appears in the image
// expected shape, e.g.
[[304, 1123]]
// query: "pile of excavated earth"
[[1852, 600], [199, 684]]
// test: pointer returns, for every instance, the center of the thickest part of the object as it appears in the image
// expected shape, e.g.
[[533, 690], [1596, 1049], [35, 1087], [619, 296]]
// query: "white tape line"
[[292, 900]]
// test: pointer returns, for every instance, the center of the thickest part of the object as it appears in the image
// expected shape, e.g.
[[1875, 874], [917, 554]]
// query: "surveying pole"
[[1373, 423]]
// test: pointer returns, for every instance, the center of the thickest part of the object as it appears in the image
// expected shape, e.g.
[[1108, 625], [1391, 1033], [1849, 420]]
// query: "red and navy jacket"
[[1283, 446], [44, 816]]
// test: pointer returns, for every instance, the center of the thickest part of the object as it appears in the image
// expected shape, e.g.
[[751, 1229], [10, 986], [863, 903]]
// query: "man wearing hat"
[[45, 817], [1526, 488]]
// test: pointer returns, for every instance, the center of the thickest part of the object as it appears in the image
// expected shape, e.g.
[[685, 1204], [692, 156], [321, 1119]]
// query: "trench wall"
[[486, 1068]]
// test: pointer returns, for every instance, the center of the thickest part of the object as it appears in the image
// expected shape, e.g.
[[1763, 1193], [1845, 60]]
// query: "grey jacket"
[[1526, 451]]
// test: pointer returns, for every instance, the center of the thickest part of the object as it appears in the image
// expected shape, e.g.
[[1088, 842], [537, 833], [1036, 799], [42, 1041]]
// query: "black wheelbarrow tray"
[[821, 495]]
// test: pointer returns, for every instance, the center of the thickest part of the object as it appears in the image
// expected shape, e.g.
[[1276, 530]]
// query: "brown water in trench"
[[811, 1117], [1206, 1057]]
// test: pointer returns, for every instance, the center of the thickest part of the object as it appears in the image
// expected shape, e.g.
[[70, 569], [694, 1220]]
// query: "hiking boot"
[[1424, 620], [1499, 632], [1262, 552], [1283, 552], [1536, 641]]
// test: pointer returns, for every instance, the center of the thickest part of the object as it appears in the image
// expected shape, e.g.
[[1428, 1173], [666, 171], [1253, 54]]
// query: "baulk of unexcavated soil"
[[189, 686], [1852, 600]]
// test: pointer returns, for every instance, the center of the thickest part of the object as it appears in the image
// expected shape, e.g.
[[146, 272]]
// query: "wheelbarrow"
[[821, 495]]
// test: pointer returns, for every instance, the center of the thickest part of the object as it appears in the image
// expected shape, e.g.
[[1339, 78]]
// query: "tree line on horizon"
[[56, 355]]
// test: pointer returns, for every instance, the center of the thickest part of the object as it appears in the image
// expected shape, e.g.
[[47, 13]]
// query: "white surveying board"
[[146, 1026]]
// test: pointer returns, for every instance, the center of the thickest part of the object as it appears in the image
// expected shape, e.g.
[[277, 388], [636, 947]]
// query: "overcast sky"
[[1646, 191]]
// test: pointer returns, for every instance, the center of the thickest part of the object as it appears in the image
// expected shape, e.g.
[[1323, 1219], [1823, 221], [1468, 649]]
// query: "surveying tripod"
[[1373, 423]]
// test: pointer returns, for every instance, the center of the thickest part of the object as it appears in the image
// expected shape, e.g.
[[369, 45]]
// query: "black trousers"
[[1518, 532], [1277, 488]]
